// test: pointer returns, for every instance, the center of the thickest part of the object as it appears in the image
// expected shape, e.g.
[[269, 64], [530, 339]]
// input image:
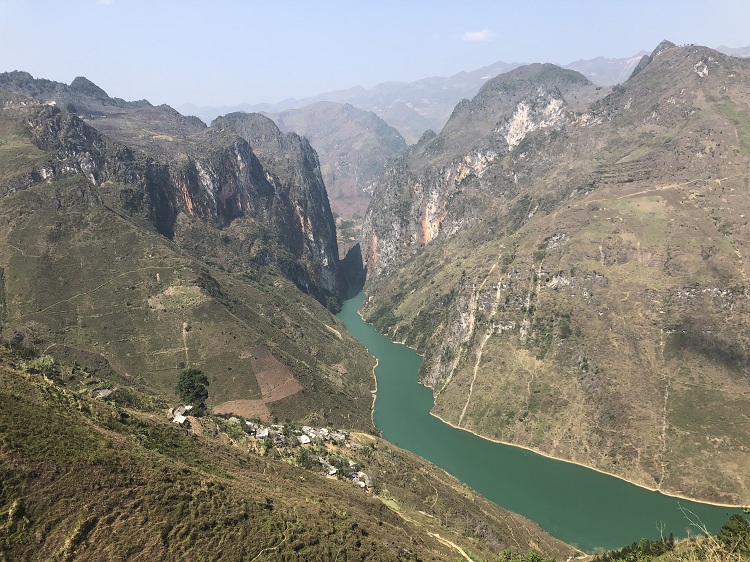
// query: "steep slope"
[[582, 290], [309, 230], [141, 267], [215, 173], [427, 193], [353, 146], [85, 479]]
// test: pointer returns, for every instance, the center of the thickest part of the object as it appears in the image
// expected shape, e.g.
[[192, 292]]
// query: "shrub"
[[192, 388]]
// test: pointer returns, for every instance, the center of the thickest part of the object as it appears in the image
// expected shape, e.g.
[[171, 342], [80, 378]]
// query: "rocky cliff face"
[[219, 179], [429, 193], [139, 265], [583, 290], [305, 220]]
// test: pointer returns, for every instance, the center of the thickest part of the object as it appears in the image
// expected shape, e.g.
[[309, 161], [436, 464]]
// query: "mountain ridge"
[[119, 258]]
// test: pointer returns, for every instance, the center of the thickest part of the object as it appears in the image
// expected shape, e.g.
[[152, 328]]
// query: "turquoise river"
[[578, 505]]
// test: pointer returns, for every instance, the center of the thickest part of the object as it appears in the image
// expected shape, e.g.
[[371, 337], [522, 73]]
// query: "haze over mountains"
[[353, 146], [415, 107], [349, 165]]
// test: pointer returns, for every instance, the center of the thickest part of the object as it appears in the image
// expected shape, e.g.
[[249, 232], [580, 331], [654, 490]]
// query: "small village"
[[317, 449]]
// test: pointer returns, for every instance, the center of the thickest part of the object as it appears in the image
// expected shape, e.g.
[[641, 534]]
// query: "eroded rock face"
[[217, 180], [136, 266], [305, 213], [424, 195]]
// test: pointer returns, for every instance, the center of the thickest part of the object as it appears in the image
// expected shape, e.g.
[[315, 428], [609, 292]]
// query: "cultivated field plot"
[[275, 380]]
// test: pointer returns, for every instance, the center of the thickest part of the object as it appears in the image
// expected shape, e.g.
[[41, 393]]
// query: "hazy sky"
[[225, 52]]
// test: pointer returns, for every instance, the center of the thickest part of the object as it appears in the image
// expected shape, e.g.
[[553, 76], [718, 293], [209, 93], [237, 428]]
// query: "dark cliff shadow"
[[354, 271]]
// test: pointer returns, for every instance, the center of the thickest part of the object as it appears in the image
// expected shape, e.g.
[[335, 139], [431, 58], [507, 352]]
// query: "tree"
[[735, 534], [192, 388]]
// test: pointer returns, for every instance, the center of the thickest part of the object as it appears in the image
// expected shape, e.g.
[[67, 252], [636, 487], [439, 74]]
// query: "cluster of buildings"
[[306, 435]]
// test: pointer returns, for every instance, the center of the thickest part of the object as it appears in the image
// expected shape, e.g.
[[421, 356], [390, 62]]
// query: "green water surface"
[[582, 507]]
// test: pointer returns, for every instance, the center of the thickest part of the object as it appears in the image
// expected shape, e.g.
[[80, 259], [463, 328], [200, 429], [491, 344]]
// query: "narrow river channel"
[[580, 506]]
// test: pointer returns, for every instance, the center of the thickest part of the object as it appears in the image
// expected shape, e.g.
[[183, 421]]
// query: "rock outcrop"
[[429, 192], [215, 175]]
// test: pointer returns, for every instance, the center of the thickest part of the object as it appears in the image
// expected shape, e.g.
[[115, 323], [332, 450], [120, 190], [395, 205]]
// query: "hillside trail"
[[442, 540], [487, 334], [656, 189]]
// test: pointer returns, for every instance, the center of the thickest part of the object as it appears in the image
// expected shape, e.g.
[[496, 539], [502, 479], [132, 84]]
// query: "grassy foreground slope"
[[84, 479]]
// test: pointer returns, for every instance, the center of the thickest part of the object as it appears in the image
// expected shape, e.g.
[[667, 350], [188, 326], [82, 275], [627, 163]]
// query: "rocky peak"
[[431, 191], [661, 47], [646, 59], [83, 85], [295, 170]]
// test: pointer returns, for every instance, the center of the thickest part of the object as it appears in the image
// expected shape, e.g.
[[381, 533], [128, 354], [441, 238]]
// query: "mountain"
[[410, 107], [735, 52], [353, 146], [415, 202], [159, 130], [573, 267], [296, 165], [183, 251], [121, 265], [603, 71], [88, 478]]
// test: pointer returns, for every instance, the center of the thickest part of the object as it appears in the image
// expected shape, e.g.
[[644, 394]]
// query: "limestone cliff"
[[139, 266], [306, 222], [430, 192], [217, 180]]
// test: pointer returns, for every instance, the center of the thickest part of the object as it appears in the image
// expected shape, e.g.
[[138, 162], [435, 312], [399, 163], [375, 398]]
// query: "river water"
[[582, 507]]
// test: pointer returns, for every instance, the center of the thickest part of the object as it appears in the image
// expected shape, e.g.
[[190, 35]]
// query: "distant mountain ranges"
[[412, 108], [415, 107]]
